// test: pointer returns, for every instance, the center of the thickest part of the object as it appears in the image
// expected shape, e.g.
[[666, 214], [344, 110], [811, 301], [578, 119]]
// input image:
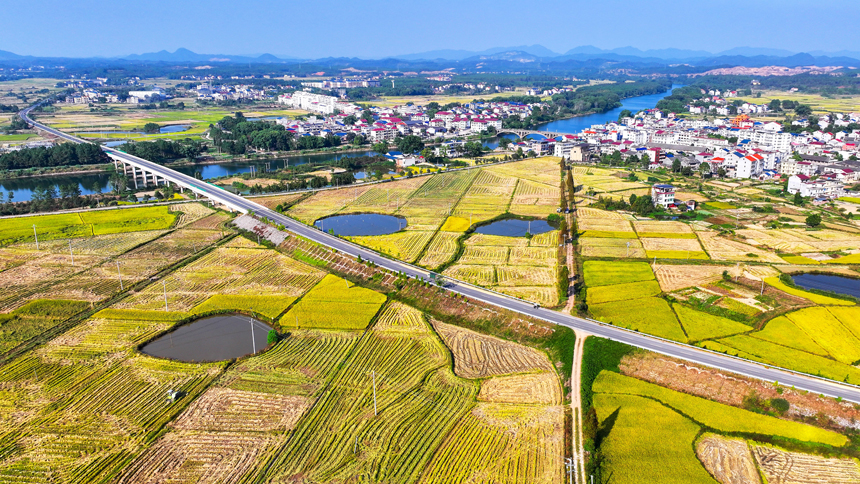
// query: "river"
[[22, 188]]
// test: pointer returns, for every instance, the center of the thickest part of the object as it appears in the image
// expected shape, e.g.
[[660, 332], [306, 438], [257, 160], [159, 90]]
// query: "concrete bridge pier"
[[139, 177]]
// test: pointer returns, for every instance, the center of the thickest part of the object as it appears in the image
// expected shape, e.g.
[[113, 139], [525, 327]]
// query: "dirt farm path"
[[576, 407]]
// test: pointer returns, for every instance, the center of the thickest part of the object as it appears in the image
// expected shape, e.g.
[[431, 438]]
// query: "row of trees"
[[61, 155], [161, 151]]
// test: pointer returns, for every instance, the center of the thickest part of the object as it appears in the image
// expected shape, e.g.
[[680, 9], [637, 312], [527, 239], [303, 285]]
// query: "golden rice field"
[[478, 356]]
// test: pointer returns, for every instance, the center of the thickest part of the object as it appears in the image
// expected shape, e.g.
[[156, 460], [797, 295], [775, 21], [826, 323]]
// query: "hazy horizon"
[[336, 28]]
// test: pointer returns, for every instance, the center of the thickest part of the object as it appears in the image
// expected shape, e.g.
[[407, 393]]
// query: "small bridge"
[[522, 133]]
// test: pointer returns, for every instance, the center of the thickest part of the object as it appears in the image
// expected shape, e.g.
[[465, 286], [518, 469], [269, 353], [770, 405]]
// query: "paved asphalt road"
[[677, 350]]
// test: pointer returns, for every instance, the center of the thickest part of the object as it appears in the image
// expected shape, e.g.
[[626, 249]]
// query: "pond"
[[215, 338], [358, 224], [515, 228], [824, 282]]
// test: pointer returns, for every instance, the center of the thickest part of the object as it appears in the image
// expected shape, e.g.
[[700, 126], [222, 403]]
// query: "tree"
[[272, 337], [813, 220], [798, 199], [676, 165], [721, 172], [646, 161], [151, 128], [381, 147], [504, 143], [410, 144], [350, 120], [775, 105], [367, 116], [802, 110], [429, 155], [704, 167], [625, 113]]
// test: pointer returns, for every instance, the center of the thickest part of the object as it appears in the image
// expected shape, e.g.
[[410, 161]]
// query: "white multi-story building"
[[663, 195], [772, 140], [821, 188], [749, 166], [793, 167], [317, 103]]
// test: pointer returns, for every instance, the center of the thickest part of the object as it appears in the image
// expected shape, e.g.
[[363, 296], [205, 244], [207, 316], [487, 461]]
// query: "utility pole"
[[71, 253], [164, 286], [35, 236], [120, 276], [568, 464], [253, 341], [762, 288], [628, 250], [373, 373]]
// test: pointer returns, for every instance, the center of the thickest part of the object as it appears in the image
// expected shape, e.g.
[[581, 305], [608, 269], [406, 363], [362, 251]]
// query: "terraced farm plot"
[[534, 388], [455, 224], [225, 410], [534, 199], [543, 170], [780, 240], [85, 224], [487, 197], [497, 240], [720, 248], [649, 315], [326, 202], [215, 221], [786, 357], [793, 467], [674, 277], [700, 326], [663, 229], [274, 201], [188, 213], [418, 402], [604, 273], [676, 245], [612, 228], [482, 275], [828, 332], [405, 245], [514, 444], [543, 295], [524, 276], [623, 292], [532, 256], [728, 460], [33, 319], [715, 415], [98, 245], [335, 303], [595, 213], [195, 457], [269, 306], [484, 254], [90, 429], [442, 248], [247, 272], [479, 356], [607, 247], [645, 432]]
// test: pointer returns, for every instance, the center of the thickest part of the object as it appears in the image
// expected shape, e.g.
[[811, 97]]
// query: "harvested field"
[[405, 245], [595, 213], [211, 222], [497, 240], [484, 254], [479, 356], [781, 467], [674, 277], [524, 276], [498, 443], [608, 247], [534, 388], [605, 225], [720, 248], [227, 410], [272, 202], [661, 244], [728, 460], [187, 457], [690, 196], [532, 256], [190, 212], [668, 228], [544, 295], [482, 275]]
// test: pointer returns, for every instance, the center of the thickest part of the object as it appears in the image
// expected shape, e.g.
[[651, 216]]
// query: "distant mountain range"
[[505, 57]]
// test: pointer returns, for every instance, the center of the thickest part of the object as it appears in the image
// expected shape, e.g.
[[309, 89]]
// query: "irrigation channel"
[[358, 224], [214, 338], [825, 282]]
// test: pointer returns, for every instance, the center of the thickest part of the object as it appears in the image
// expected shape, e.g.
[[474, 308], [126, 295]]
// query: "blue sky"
[[374, 28]]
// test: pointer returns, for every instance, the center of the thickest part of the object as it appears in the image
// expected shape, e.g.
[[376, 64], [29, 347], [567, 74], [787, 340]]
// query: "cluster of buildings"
[[89, 95], [340, 83], [210, 92], [388, 123]]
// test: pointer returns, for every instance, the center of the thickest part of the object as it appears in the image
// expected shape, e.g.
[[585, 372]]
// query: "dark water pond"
[[515, 227], [215, 338], [823, 282], [361, 224]]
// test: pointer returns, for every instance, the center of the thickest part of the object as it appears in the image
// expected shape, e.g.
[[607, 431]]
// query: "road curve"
[[669, 348]]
